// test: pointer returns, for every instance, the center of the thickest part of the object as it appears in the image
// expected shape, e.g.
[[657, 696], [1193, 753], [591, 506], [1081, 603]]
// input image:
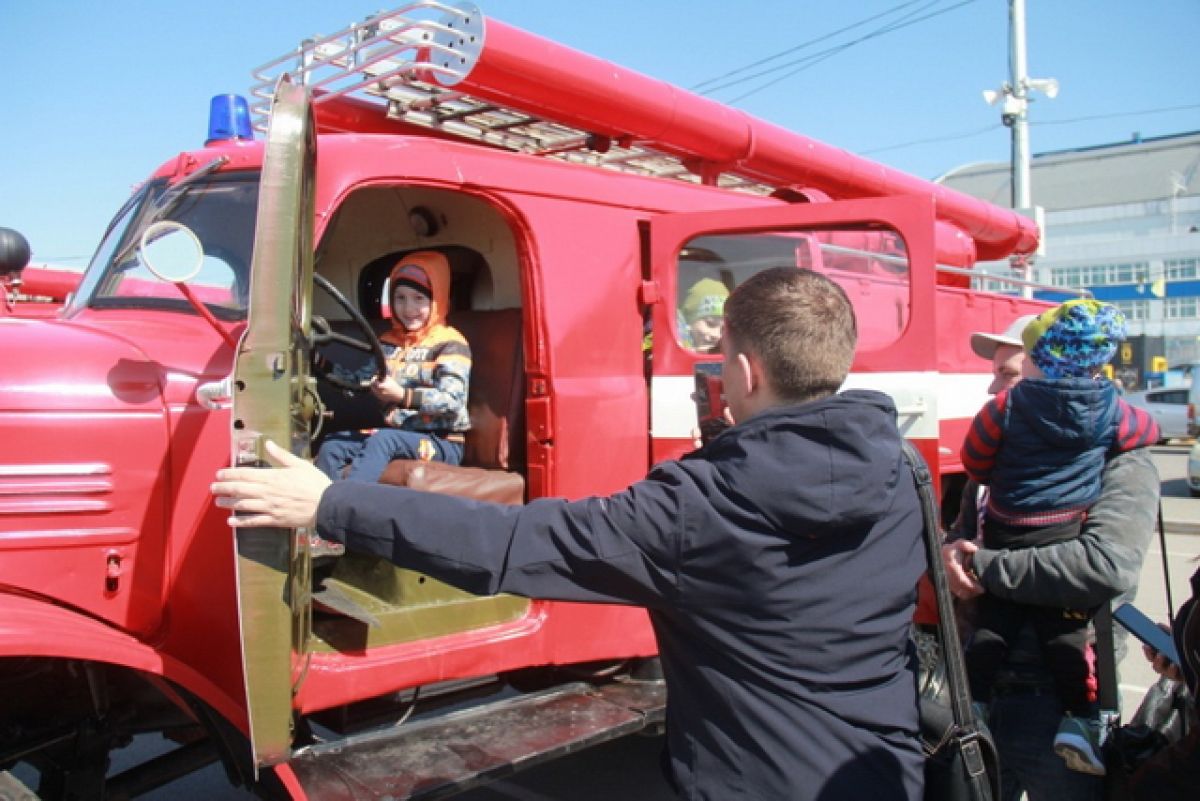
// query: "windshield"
[[219, 208]]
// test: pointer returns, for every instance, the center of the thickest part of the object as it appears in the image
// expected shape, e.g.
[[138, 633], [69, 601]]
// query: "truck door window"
[[871, 264]]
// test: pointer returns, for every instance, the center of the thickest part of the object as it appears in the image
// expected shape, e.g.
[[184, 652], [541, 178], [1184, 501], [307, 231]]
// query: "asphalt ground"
[[1181, 523]]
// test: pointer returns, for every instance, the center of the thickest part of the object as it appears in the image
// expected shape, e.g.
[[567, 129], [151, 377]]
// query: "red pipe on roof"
[[540, 77]]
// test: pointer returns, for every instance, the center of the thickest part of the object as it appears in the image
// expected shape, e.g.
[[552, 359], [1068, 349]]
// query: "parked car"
[[1169, 407], [1193, 470], [1193, 408]]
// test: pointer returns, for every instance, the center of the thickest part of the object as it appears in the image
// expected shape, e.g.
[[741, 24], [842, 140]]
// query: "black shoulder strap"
[[1106, 664], [956, 669]]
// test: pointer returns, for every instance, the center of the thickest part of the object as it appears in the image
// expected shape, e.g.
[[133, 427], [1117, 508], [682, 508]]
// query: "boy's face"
[[706, 332], [410, 306]]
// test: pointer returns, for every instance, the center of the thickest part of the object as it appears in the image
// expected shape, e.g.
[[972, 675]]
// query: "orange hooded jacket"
[[433, 361]]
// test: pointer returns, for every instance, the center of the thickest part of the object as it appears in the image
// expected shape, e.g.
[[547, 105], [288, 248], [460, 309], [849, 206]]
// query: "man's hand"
[[1161, 665], [700, 436], [281, 497], [957, 557]]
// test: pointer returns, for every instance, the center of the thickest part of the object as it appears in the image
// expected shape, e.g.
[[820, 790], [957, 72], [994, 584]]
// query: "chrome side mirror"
[[171, 251]]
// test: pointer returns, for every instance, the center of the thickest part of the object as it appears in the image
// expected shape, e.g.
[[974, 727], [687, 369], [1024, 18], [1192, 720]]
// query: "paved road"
[[1181, 514], [628, 768]]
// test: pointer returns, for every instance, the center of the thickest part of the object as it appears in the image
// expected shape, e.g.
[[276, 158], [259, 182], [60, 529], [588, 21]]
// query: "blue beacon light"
[[228, 119]]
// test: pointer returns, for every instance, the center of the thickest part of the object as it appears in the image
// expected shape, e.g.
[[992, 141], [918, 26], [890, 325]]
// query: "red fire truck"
[[577, 202]]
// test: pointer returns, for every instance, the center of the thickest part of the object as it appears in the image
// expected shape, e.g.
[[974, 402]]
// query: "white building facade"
[[1122, 221]]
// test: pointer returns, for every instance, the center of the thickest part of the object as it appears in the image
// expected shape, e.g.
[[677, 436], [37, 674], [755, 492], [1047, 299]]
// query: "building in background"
[[1122, 221]]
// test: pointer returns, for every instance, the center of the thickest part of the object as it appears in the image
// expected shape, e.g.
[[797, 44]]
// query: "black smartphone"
[[1146, 630], [710, 400]]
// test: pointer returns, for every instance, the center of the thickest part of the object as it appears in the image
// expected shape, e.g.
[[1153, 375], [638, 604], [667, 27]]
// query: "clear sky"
[[98, 94]]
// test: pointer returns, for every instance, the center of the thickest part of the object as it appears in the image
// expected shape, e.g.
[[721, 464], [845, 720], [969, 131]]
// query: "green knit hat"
[[706, 298]]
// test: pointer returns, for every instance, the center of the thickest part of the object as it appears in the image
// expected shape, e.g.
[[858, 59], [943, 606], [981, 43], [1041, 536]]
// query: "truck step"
[[439, 757]]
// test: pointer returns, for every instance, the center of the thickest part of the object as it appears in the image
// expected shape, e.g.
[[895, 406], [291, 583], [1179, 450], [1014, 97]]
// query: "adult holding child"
[[1099, 565]]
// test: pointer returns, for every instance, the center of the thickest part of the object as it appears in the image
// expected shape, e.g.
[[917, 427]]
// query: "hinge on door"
[[648, 294], [537, 419]]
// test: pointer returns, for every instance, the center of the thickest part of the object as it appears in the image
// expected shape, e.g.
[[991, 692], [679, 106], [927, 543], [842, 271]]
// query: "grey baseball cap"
[[985, 344]]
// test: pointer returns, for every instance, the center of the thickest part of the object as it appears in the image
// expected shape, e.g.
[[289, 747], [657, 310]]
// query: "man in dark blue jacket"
[[778, 563]]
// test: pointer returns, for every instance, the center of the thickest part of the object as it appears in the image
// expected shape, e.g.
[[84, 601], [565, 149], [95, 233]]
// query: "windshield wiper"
[[166, 203]]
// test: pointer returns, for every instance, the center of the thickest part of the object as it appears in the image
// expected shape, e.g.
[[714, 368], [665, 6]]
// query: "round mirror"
[[171, 251]]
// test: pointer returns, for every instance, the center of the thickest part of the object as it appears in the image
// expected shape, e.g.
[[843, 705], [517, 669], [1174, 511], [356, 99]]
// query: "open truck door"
[[272, 392], [880, 251]]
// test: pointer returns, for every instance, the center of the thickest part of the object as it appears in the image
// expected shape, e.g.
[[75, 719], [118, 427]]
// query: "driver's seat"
[[495, 445]]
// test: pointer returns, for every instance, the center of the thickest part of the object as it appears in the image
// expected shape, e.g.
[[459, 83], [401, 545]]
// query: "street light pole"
[[1014, 113], [1019, 120]]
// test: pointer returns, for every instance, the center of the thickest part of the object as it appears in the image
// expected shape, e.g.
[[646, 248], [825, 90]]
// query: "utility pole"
[[1014, 113], [1019, 122]]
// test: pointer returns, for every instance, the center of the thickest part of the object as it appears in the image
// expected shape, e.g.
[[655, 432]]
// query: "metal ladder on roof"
[[412, 57]]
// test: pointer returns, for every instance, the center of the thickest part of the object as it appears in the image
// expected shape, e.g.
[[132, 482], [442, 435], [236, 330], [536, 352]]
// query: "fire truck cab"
[[577, 203]]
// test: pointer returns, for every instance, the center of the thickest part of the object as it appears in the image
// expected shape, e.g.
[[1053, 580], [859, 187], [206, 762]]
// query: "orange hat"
[[428, 272]]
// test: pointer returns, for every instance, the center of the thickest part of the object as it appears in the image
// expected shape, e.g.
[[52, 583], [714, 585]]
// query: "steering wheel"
[[323, 334]]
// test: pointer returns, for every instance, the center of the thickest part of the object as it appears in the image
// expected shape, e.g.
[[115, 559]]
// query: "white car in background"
[[1168, 406]]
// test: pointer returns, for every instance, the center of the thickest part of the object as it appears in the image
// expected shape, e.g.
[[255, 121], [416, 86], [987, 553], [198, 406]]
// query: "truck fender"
[[33, 628]]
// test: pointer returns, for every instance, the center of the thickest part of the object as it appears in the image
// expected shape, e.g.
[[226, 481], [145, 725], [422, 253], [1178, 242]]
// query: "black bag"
[[1162, 719], [961, 761], [1159, 721]]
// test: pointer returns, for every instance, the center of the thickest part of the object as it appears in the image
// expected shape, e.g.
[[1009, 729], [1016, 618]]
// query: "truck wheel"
[[67, 717]]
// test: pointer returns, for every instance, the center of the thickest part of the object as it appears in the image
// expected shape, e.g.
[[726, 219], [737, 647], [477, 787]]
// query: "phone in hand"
[[710, 400], [1146, 630]]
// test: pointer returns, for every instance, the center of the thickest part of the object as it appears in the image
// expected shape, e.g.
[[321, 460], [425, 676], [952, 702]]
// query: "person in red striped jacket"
[[1040, 448]]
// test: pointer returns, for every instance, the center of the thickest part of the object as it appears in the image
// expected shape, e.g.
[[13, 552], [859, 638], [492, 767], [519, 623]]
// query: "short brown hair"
[[800, 325]]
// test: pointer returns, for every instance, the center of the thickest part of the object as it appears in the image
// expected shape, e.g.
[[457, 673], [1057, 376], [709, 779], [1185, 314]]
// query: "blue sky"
[[99, 94]]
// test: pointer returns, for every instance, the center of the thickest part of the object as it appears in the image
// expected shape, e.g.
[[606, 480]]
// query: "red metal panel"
[[30, 627]]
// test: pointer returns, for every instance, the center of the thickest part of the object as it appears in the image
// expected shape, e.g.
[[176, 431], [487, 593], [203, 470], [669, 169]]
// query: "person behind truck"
[[1040, 447], [703, 311], [778, 563], [424, 396], [1100, 565]]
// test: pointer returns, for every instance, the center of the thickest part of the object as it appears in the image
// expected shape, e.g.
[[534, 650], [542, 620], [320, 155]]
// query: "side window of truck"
[[870, 264]]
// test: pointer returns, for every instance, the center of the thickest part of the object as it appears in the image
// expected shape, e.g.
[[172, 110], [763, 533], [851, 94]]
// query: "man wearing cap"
[[1100, 565], [1004, 351]]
